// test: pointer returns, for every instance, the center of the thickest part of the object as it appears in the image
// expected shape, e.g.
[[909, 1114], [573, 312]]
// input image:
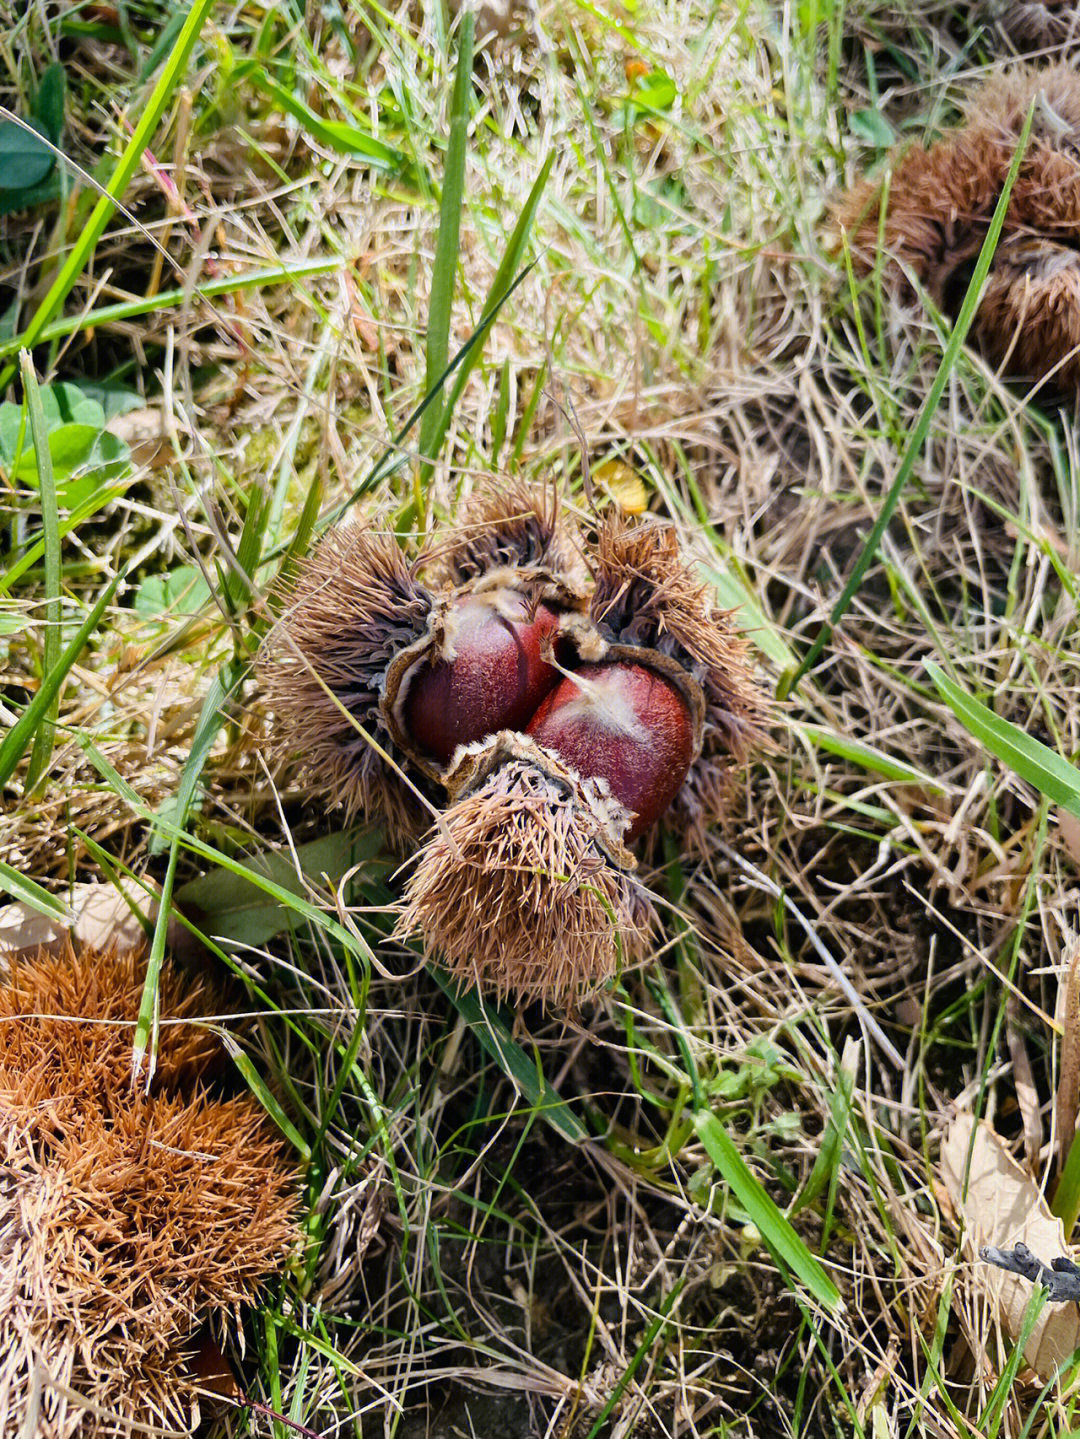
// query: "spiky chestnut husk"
[[628, 724], [649, 602], [126, 1219], [526, 889], [363, 642], [1039, 24], [355, 605], [940, 202], [516, 526], [1029, 317]]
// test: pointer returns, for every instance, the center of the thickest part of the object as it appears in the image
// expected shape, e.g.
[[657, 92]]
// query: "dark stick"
[[1060, 1278]]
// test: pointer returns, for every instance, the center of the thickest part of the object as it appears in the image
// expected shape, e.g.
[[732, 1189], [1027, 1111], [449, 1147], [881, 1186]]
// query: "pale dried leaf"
[[146, 435], [101, 919], [24, 930], [1000, 1206]]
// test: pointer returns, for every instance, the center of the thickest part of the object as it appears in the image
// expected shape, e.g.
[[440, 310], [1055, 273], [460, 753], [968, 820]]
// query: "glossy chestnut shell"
[[624, 723], [494, 679]]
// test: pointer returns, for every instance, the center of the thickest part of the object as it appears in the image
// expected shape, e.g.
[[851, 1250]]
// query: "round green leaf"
[[25, 160]]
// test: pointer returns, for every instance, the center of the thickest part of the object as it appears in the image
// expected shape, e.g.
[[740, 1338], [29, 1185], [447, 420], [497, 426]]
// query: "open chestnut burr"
[[938, 204], [561, 723], [528, 886]]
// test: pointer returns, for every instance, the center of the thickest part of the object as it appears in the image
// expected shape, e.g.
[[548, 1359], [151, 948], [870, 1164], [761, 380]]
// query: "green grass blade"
[[27, 892], [444, 272], [211, 718], [774, 1229], [501, 287], [45, 736], [345, 137], [922, 426], [493, 1032], [1041, 766], [265, 1098], [170, 77], [124, 310], [635, 1364], [867, 757], [22, 732], [1066, 1203]]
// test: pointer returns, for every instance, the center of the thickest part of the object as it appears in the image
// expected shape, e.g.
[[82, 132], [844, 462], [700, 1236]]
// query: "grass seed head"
[[126, 1219], [526, 890]]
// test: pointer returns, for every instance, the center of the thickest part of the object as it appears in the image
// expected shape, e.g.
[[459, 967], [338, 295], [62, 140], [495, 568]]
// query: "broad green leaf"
[[1041, 766], [25, 160], [781, 1239], [872, 128], [182, 591], [227, 907], [67, 404], [48, 104]]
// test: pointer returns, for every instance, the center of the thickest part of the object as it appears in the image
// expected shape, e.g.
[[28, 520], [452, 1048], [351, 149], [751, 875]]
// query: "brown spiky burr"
[[526, 889], [511, 525], [356, 604], [1038, 24], [938, 205], [127, 1219], [656, 706]]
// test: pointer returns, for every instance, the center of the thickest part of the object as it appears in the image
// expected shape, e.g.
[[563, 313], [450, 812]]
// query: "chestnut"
[[491, 674], [650, 604], [624, 723], [382, 665]]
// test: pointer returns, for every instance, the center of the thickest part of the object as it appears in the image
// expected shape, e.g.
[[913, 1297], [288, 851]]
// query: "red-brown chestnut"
[[628, 724], [381, 666], [649, 602], [483, 668]]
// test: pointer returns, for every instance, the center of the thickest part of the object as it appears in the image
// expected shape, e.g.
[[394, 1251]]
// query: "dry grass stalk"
[[127, 1220]]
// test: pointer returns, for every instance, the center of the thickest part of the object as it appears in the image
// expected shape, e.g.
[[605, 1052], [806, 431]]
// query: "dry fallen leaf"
[[24, 930], [101, 919], [1003, 1205], [145, 434]]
